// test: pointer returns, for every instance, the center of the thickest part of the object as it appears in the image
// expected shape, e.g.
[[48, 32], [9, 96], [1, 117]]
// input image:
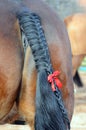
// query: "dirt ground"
[[79, 117]]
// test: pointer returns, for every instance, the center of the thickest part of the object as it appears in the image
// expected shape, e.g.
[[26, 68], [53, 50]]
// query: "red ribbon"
[[53, 78]]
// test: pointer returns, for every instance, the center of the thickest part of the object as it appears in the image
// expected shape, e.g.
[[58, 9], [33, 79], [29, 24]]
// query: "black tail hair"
[[50, 111], [77, 80]]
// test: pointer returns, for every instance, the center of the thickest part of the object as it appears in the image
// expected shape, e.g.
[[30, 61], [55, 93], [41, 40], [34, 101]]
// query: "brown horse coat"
[[76, 27], [11, 58]]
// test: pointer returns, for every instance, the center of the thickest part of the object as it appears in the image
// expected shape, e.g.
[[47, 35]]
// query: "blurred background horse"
[[76, 26]]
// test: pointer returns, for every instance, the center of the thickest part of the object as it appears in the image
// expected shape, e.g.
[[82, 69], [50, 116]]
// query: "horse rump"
[[50, 113]]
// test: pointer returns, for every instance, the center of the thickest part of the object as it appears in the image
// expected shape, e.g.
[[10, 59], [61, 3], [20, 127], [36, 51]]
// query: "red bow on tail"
[[53, 78]]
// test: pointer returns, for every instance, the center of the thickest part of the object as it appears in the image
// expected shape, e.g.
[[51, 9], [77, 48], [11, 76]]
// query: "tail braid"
[[30, 24], [36, 39], [57, 92]]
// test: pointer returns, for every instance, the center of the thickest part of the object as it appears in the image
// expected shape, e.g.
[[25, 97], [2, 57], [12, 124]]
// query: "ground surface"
[[79, 117]]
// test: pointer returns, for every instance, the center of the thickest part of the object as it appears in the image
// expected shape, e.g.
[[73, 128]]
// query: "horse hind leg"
[[28, 90]]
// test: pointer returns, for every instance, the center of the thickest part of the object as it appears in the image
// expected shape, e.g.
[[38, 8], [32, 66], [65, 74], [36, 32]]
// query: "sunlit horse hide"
[[76, 26], [82, 3], [25, 81]]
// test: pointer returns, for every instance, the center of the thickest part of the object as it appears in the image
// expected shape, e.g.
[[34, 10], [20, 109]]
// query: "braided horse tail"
[[50, 111]]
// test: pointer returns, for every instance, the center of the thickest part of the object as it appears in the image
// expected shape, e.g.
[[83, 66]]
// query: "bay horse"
[[35, 66], [76, 27]]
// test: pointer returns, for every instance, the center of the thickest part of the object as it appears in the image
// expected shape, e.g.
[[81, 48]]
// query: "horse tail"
[[50, 111]]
